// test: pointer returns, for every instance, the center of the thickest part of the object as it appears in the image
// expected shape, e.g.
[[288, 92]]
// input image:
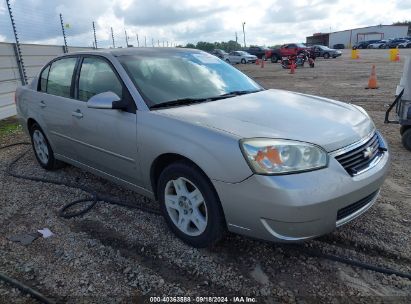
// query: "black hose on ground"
[[26, 289], [344, 260], [97, 197]]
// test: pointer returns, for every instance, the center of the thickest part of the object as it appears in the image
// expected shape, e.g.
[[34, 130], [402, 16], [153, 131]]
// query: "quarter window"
[[43, 79], [60, 76], [96, 77]]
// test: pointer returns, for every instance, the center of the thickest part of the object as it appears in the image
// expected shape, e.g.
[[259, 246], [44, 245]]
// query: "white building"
[[352, 36]]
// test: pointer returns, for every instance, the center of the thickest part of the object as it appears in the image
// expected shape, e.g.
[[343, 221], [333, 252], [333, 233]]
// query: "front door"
[[106, 138]]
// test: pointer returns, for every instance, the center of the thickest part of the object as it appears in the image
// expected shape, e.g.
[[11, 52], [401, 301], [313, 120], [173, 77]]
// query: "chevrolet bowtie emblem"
[[368, 152]]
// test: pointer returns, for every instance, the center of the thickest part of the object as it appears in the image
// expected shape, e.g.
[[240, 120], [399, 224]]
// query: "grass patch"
[[9, 126]]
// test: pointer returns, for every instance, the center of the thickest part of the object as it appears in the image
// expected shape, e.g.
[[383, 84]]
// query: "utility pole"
[[244, 34], [236, 37], [152, 42], [145, 41], [138, 43], [95, 37], [64, 34], [167, 43], [163, 43], [112, 37], [125, 32], [17, 49]]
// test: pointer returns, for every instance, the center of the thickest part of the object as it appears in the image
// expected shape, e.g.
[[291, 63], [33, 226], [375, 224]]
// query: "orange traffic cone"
[[397, 56], [292, 67], [372, 81], [257, 62], [262, 63]]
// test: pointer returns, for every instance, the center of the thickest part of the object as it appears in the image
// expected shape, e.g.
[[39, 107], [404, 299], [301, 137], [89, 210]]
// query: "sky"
[[267, 22]]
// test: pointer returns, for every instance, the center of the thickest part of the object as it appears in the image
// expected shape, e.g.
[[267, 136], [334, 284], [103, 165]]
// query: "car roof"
[[137, 51]]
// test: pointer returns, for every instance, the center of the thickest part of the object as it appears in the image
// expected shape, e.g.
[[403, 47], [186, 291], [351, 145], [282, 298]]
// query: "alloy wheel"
[[40, 146], [186, 206]]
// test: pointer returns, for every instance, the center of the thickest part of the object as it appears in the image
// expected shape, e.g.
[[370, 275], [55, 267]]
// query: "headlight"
[[280, 156]]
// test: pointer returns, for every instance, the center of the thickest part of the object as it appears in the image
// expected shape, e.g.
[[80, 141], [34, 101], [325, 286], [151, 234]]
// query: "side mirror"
[[105, 100]]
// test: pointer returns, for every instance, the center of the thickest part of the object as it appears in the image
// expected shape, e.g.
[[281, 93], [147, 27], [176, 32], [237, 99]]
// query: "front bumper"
[[298, 206], [335, 55]]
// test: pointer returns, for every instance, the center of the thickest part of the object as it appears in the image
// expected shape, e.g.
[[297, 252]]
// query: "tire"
[[180, 204], [326, 55], [406, 139], [42, 149], [274, 59], [243, 61], [227, 60]]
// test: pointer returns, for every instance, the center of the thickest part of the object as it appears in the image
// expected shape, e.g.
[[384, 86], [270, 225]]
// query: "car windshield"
[[173, 76]]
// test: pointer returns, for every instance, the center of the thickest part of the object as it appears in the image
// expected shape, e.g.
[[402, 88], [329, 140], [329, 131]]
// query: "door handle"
[[77, 114], [42, 104]]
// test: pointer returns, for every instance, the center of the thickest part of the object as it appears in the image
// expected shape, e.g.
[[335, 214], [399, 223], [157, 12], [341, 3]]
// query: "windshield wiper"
[[236, 93], [187, 101], [178, 102]]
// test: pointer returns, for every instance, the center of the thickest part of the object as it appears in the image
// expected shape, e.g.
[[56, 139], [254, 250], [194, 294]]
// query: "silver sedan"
[[217, 150], [240, 57]]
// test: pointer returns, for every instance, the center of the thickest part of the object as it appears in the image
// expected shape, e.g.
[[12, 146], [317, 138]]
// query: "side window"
[[97, 76], [60, 76], [43, 79]]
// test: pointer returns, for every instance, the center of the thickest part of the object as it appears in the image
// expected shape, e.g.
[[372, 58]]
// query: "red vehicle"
[[289, 49]]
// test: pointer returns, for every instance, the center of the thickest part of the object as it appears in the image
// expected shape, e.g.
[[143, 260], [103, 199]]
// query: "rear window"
[[60, 77]]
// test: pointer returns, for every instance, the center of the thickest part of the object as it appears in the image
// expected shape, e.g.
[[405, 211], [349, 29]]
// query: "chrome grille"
[[361, 157]]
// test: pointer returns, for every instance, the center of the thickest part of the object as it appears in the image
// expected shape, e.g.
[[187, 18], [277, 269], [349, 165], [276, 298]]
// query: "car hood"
[[280, 114]]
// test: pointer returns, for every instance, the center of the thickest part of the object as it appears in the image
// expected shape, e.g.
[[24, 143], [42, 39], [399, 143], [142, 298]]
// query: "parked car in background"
[[405, 44], [286, 50], [325, 51], [240, 57], [215, 149], [339, 46], [394, 43], [378, 45], [363, 44], [219, 53], [263, 53]]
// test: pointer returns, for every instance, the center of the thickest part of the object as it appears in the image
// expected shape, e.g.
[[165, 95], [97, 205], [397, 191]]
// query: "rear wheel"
[[243, 61], [42, 149], [190, 205], [406, 139], [227, 60], [274, 58]]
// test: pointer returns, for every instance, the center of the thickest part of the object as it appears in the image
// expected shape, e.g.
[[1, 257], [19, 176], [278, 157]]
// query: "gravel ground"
[[123, 255]]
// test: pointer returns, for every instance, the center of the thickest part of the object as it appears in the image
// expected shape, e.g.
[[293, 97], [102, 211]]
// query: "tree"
[[205, 46], [190, 46], [405, 22]]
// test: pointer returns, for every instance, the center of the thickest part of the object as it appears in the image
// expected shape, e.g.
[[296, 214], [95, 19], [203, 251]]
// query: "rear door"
[[55, 104], [106, 138]]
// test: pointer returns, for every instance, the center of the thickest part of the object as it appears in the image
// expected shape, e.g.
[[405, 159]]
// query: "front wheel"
[[243, 61], [326, 56], [42, 149], [406, 139], [190, 205]]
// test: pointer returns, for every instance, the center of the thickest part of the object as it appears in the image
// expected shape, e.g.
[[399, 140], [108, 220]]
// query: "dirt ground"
[[121, 255]]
